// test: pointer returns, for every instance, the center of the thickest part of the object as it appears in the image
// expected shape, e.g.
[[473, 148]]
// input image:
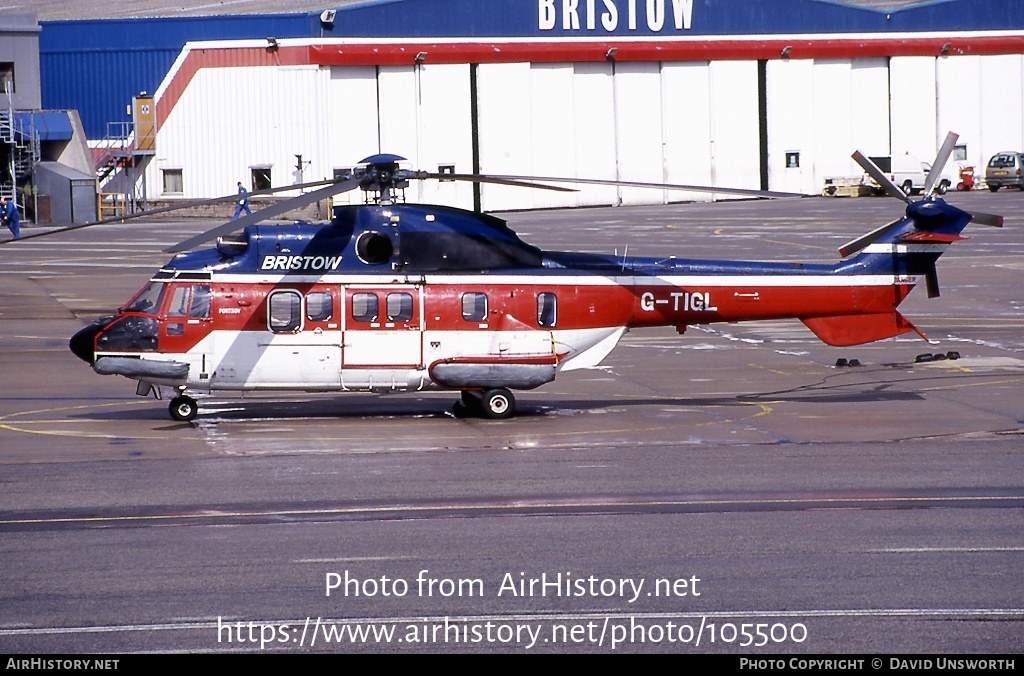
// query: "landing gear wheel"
[[183, 408], [498, 404]]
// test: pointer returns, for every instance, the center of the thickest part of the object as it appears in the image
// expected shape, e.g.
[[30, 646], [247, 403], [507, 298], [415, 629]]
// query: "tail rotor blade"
[[931, 280], [872, 169], [940, 163], [986, 219], [861, 242]]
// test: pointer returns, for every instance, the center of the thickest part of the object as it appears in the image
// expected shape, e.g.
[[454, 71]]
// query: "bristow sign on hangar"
[[567, 12], [659, 18], [133, 55]]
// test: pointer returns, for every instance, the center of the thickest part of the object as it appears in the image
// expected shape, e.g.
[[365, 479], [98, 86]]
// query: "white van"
[[909, 173]]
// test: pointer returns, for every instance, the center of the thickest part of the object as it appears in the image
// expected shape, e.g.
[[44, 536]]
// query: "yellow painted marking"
[[799, 244], [959, 385], [765, 368], [4, 425]]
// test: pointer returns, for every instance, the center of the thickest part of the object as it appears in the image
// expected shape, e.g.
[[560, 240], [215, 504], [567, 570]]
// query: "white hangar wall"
[[232, 120], [679, 122], [644, 122], [979, 97], [824, 109]]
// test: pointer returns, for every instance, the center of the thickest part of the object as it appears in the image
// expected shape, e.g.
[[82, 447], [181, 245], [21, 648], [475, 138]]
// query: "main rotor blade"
[[749, 192], [287, 205], [888, 186], [168, 209], [481, 178], [940, 163]]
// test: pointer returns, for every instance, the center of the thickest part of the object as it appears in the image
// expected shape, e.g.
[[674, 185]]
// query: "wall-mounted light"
[[327, 18], [272, 45], [786, 50], [945, 49], [610, 54], [421, 57]]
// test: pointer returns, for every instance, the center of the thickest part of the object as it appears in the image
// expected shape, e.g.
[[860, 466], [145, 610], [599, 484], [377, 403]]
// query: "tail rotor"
[[932, 219]]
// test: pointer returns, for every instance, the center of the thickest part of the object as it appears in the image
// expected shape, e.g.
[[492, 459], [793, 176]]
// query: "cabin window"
[[365, 307], [474, 307], [547, 309], [148, 299], [319, 306], [399, 307], [284, 311]]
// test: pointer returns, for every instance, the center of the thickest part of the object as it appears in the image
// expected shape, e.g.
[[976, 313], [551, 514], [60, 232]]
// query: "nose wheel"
[[183, 408]]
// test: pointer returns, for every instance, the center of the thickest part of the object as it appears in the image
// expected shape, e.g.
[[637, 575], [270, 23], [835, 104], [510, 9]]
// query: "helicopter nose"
[[83, 342]]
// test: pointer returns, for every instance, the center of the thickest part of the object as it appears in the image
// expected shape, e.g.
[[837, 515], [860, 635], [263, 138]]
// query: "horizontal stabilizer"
[[844, 330], [929, 236]]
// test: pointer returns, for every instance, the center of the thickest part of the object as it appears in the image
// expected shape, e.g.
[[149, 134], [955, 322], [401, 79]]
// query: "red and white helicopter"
[[391, 296]]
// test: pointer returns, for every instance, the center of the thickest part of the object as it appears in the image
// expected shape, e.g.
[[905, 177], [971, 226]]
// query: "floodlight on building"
[[421, 57], [610, 54], [327, 18], [272, 45]]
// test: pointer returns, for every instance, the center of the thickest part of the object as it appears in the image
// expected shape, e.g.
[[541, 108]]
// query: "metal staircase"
[[22, 151], [119, 155]]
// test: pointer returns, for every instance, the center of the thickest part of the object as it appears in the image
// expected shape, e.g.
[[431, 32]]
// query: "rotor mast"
[[383, 176]]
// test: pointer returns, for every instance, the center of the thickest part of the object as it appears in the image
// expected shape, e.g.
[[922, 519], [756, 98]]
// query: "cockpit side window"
[[195, 305], [148, 299], [179, 302], [200, 302]]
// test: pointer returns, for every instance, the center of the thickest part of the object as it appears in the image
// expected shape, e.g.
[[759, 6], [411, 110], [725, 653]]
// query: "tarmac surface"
[[879, 507]]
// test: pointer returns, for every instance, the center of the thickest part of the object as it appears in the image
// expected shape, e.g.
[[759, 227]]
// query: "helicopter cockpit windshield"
[[148, 300]]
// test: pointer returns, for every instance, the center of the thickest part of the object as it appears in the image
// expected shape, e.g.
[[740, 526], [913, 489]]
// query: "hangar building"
[[740, 93]]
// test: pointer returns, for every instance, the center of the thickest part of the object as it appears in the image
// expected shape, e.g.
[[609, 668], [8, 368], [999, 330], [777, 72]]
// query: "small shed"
[[72, 193]]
